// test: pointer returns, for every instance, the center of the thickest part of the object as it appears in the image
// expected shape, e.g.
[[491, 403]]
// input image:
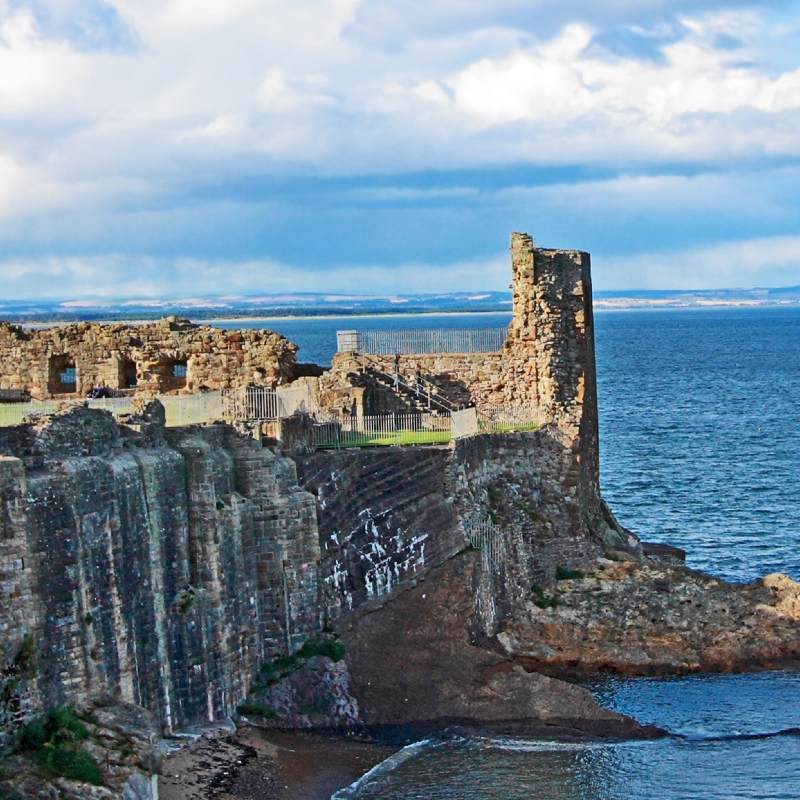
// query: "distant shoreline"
[[601, 305]]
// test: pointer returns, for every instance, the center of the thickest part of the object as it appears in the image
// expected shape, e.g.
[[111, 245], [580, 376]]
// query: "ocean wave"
[[387, 765], [735, 737]]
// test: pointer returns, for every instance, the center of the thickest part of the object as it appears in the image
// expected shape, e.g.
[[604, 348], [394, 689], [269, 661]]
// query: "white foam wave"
[[394, 761]]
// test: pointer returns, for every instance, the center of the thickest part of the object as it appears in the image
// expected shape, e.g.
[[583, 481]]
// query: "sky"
[[170, 147]]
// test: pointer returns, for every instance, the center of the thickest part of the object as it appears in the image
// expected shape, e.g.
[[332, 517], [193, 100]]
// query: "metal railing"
[[182, 409], [384, 430], [423, 389], [508, 419], [484, 535], [251, 404], [431, 340]]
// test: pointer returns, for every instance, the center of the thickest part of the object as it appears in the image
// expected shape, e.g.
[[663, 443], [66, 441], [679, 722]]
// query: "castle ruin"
[[164, 565]]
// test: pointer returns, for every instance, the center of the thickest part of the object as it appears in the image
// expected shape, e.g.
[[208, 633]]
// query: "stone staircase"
[[424, 399]]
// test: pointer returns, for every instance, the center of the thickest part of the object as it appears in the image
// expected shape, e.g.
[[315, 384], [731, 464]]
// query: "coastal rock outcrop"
[[655, 618], [118, 739], [406, 671], [316, 695], [787, 596]]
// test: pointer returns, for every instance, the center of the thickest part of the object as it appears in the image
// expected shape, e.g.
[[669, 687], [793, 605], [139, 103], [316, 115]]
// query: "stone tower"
[[550, 347]]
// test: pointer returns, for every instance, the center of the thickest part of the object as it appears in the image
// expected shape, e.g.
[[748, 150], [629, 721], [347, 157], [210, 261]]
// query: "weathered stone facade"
[[170, 355], [161, 566], [547, 360], [387, 516]]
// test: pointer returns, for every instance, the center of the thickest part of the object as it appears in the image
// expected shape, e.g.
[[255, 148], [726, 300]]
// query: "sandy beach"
[[258, 764]]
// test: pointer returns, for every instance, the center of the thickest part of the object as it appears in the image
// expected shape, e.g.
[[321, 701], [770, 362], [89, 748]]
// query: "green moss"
[[25, 659], [64, 725], [185, 602], [543, 599], [33, 737], [280, 667], [88, 618], [256, 710], [331, 648], [496, 503], [59, 725], [73, 763], [564, 574], [54, 742]]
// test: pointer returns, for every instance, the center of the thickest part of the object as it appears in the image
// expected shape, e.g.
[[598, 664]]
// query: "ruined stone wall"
[[162, 566], [169, 355], [548, 358], [386, 515], [540, 491], [527, 486], [462, 378]]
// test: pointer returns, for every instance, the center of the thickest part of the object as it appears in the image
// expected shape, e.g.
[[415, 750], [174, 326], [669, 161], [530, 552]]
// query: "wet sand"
[[258, 764]]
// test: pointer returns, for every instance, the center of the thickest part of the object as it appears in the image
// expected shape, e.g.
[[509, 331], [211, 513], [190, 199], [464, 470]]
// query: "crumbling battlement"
[[169, 355]]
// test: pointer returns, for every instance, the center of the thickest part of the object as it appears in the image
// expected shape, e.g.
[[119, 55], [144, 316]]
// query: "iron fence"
[[252, 404], [431, 340], [189, 409], [509, 419], [382, 430], [484, 535]]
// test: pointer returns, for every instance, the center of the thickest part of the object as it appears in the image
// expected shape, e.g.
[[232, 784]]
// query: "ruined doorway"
[[127, 374], [62, 376]]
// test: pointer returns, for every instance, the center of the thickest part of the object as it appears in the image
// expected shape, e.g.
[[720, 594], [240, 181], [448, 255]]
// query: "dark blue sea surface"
[[700, 447], [700, 433]]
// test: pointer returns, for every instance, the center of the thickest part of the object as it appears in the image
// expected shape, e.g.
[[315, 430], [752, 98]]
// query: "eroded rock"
[[121, 738], [649, 618], [317, 695]]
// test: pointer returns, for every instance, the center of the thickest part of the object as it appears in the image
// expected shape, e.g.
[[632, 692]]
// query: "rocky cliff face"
[[161, 566]]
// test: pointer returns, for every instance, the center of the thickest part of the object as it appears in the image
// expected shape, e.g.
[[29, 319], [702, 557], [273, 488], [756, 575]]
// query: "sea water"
[[700, 447]]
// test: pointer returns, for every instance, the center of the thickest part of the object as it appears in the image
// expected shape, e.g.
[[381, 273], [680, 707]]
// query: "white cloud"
[[576, 105], [764, 262], [284, 83], [115, 275], [144, 104]]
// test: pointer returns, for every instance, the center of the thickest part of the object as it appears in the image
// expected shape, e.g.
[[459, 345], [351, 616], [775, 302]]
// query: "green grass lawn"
[[401, 437], [508, 427]]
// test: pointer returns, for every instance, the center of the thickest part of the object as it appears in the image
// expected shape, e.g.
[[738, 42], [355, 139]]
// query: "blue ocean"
[[700, 442]]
